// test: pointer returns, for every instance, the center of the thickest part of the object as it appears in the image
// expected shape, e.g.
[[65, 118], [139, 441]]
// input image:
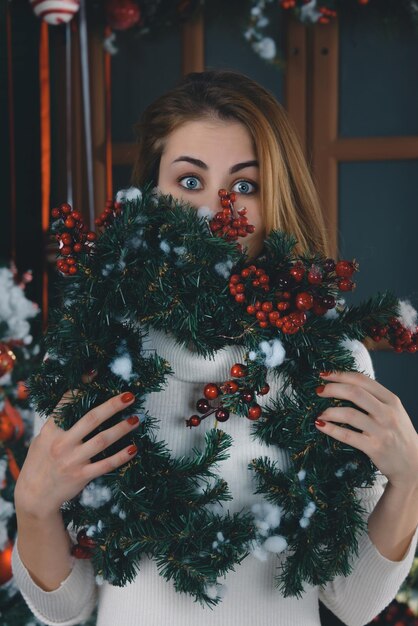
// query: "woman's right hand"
[[58, 464]]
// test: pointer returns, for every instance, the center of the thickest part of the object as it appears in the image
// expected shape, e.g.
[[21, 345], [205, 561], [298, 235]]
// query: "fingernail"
[[132, 450], [134, 419], [324, 374], [319, 422], [320, 389], [127, 397]]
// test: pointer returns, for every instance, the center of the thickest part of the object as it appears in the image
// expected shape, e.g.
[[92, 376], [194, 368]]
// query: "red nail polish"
[[134, 419], [325, 374], [132, 450], [127, 396], [320, 389], [319, 422]]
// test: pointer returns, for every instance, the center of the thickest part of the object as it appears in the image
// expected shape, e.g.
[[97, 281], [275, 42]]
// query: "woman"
[[221, 130]]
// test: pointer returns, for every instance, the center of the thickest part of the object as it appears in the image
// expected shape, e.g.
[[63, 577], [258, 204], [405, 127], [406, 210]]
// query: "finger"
[[345, 435], [94, 470], [355, 393], [349, 415], [361, 380], [98, 415], [103, 440]]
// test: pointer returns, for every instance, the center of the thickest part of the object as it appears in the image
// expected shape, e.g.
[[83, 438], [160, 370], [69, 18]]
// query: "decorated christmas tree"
[[161, 264]]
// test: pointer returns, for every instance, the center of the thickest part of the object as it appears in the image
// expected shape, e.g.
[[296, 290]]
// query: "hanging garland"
[[160, 264]]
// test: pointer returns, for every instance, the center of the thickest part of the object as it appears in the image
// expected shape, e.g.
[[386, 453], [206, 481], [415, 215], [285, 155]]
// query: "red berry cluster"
[[75, 238], [83, 549], [286, 307], [230, 223], [229, 388], [111, 210], [401, 338]]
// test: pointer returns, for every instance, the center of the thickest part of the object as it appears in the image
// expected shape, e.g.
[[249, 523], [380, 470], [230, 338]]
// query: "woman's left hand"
[[388, 436]]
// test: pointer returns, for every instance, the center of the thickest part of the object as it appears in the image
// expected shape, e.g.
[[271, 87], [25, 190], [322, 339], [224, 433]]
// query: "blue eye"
[[245, 187], [190, 182]]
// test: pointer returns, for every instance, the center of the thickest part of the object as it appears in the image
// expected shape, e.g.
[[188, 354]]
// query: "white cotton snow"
[[205, 212], [252, 355], [6, 511], [266, 48], [15, 308], [165, 246], [353, 345], [224, 268], [122, 366], [275, 543], [302, 475], [95, 496], [180, 250], [274, 352], [309, 12], [129, 194], [309, 509], [3, 469], [407, 315]]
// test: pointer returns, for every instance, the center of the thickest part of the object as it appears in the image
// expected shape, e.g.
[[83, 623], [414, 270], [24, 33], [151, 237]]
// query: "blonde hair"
[[288, 197]]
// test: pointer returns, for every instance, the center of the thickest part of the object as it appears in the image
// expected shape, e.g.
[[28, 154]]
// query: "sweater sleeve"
[[374, 580], [73, 601], [70, 604]]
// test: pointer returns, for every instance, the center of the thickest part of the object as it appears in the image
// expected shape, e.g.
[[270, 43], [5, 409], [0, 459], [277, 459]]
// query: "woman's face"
[[206, 155]]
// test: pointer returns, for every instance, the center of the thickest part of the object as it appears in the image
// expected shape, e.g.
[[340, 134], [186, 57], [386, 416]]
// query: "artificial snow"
[[301, 475], [224, 268], [165, 246], [274, 352], [126, 195], [309, 12], [122, 366], [407, 315], [275, 543], [205, 212], [15, 308], [266, 48], [95, 496]]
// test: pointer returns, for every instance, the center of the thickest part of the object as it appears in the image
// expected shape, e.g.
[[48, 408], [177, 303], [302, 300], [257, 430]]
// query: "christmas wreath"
[[161, 264]]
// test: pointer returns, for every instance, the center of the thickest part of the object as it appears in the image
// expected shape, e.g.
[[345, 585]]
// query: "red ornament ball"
[[7, 359], [7, 429], [6, 563], [122, 14], [345, 269], [211, 391], [238, 370]]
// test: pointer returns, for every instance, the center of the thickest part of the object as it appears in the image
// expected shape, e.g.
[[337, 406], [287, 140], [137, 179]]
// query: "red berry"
[[202, 405], [315, 275], [222, 193], [251, 309], [222, 415], [240, 288], [235, 279], [345, 284], [69, 222], [247, 395], [304, 301], [77, 216], [265, 389], [211, 391], [65, 208], [240, 297], [345, 269], [78, 247], [193, 421], [245, 273], [233, 196], [84, 540], [72, 269], [254, 412], [230, 386], [91, 236], [55, 213], [238, 370], [66, 250], [261, 316], [79, 552]]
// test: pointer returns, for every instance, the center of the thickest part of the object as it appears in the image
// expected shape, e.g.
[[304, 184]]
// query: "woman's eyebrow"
[[202, 165]]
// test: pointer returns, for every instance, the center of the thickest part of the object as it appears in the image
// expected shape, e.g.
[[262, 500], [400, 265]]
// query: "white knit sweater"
[[251, 598]]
